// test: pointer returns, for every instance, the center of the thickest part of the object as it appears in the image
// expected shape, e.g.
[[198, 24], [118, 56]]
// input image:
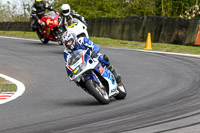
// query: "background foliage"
[[109, 8]]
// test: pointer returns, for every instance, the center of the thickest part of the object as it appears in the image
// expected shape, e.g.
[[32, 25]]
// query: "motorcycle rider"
[[67, 15], [72, 43], [38, 10]]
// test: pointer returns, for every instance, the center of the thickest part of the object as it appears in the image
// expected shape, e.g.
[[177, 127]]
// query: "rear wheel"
[[98, 92], [122, 92]]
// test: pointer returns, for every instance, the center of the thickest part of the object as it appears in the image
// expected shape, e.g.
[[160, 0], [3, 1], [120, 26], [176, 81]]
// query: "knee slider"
[[105, 57]]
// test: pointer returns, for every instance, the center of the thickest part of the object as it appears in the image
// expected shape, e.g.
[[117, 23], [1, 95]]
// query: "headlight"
[[80, 68]]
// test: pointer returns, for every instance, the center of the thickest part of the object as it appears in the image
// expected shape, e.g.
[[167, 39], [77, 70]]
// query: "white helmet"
[[66, 9]]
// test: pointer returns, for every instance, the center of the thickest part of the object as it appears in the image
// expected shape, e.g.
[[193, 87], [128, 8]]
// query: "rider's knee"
[[105, 57]]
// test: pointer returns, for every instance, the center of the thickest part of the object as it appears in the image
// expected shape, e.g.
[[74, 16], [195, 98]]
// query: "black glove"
[[94, 54]]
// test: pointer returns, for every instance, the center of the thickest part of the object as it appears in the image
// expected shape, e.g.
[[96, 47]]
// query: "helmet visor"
[[39, 4], [69, 43], [66, 11]]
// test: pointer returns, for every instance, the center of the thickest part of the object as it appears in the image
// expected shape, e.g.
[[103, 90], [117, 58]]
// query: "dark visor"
[[69, 41], [65, 11], [39, 4]]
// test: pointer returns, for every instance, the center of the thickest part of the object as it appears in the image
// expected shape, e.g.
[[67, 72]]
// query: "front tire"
[[44, 40], [122, 92], [98, 92], [41, 37], [60, 42]]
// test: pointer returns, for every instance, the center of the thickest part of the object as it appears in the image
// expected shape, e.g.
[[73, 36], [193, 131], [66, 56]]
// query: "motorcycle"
[[78, 27], [50, 31], [94, 77]]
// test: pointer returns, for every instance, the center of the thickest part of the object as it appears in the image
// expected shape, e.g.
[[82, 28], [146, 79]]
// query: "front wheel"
[[44, 40], [41, 37], [60, 42], [122, 92], [98, 92]]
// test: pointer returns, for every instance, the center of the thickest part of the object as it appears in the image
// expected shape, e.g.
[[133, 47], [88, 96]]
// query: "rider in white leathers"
[[67, 15]]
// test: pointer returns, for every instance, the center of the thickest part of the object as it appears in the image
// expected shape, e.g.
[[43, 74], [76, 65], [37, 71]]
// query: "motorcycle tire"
[[99, 93], [42, 39], [60, 43], [122, 92]]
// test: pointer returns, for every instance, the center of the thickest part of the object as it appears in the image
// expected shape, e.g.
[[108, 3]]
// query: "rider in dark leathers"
[[38, 10], [72, 43]]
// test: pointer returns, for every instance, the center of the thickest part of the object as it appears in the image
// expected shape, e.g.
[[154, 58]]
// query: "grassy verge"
[[120, 43], [6, 86]]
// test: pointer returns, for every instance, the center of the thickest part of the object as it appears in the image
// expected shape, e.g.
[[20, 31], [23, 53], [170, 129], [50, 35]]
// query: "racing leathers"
[[68, 20], [85, 43], [38, 13]]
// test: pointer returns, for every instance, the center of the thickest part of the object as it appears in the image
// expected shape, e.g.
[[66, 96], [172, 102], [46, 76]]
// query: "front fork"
[[99, 82], [93, 76]]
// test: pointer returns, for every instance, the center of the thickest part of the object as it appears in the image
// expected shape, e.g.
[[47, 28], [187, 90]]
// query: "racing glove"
[[57, 13], [93, 54], [41, 22]]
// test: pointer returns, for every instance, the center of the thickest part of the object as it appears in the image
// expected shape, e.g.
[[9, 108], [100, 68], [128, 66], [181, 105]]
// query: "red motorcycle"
[[50, 30]]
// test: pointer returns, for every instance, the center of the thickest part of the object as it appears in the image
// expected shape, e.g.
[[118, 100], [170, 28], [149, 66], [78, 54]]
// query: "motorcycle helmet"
[[69, 40], [39, 3], [65, 9]]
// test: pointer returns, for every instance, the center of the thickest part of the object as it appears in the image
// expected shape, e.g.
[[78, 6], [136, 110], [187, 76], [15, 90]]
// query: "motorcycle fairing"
[[78, 28], [109, 77], [51, 20], [72, 25], [87, 57]]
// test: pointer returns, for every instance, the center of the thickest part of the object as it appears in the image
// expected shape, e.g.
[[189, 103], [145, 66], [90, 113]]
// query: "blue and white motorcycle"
[[95, 78]]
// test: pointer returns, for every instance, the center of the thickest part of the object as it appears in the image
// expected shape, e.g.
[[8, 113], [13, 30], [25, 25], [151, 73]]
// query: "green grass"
[[120, 43], [6, 86]]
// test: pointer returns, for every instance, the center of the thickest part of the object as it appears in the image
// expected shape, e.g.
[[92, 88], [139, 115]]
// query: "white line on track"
[[19, 92], [159, 52], [18, 38]]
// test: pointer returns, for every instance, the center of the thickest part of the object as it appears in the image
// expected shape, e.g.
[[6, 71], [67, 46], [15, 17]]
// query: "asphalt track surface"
[[163, 93]]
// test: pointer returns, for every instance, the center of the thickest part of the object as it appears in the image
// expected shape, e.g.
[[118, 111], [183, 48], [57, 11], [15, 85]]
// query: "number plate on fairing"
[[111, 81]]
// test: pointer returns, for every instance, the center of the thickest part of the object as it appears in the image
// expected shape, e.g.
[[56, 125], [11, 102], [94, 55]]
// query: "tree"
[[108, 8], [8, 14]]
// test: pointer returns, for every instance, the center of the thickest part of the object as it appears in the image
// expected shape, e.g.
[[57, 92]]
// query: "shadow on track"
[[77, 102], [57, 52], [42, 44], [90, 101]]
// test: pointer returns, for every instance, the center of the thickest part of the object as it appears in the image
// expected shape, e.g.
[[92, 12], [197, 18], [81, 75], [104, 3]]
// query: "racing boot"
[[38, 31], [117, 76]]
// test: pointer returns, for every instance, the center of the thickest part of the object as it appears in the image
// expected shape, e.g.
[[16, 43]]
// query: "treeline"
[[109, 8], [122, 8], [13, 12]]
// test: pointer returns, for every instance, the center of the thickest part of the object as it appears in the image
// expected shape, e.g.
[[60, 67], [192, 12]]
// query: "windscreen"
[[74, 57], [50, 14]]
